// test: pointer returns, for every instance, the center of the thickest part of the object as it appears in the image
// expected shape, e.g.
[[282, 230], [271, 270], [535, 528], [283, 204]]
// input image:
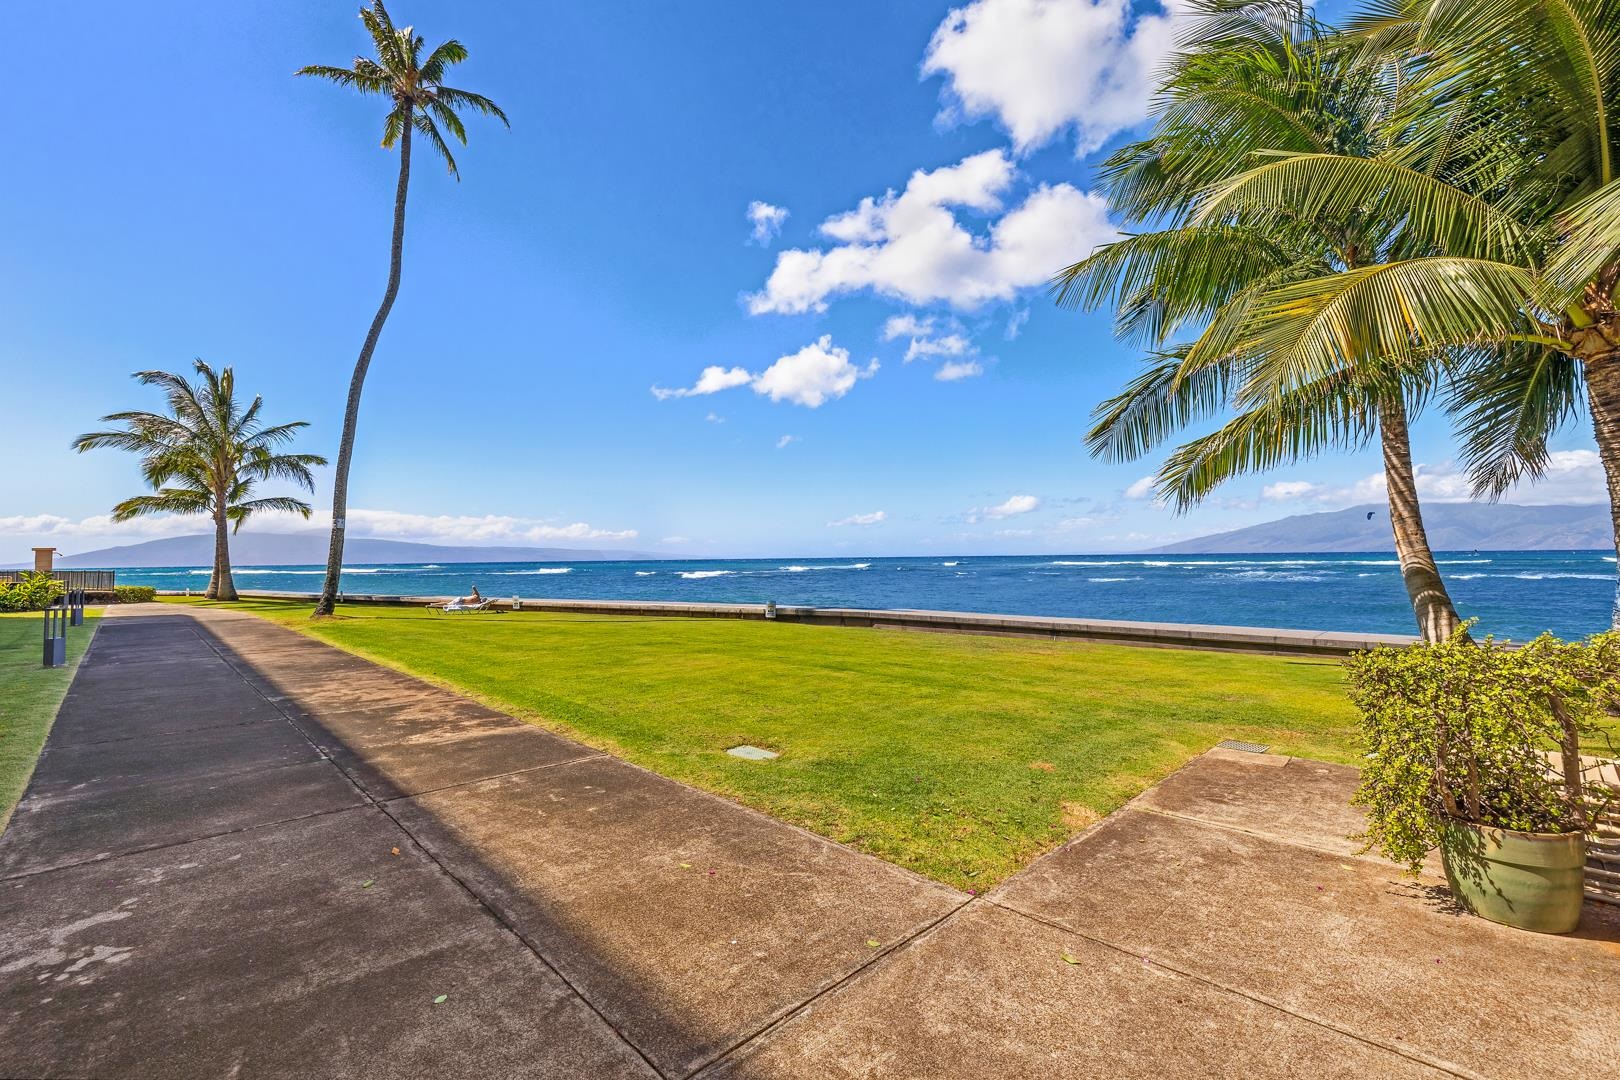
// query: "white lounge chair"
[[455, 607]]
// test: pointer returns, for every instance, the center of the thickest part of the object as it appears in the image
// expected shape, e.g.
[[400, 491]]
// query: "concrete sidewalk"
[[247, 853]]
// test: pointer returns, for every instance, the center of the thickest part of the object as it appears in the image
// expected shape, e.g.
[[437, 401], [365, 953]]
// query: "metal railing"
[[87, 580]]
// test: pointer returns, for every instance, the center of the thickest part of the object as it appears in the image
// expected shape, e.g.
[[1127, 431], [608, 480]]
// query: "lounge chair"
[[455, 607]]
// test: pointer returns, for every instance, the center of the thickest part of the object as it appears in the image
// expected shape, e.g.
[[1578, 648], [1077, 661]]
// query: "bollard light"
[[55, 640]]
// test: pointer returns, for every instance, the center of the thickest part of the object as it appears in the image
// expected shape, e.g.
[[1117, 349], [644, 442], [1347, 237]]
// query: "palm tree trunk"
[[223, 586], [212, 592], [1436, 617], [1603, 395], [351, 413]]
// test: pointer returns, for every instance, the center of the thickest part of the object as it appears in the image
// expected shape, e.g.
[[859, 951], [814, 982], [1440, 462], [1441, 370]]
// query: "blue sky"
[[920, 169]]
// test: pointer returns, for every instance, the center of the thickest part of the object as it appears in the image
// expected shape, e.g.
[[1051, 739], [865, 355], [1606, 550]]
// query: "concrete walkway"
[[247, 853]]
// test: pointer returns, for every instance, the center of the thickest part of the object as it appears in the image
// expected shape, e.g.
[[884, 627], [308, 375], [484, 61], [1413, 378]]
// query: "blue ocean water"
[[1513, 594]]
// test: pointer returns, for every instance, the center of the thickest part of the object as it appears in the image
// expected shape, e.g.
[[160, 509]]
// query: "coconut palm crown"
[[1253, 79], [207, 455], [1496, 180], [420, 103], [421, 100]]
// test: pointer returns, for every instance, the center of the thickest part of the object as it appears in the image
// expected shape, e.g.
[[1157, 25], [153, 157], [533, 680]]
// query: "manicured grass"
[[960, 757], [29, 697]]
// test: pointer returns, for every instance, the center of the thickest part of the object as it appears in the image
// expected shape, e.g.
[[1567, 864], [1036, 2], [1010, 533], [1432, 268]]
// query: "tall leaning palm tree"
[[1498, 181], [1255, 78], [419, 102], [206, 455]]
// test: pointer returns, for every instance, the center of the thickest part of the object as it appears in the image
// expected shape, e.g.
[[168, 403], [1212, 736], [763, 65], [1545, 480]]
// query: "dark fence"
[[88, 580]]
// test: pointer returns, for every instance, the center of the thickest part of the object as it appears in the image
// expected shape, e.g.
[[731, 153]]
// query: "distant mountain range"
[[1451, 527], [305, 548]]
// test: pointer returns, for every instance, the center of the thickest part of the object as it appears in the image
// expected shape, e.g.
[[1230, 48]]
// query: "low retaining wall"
[[1164, 635]]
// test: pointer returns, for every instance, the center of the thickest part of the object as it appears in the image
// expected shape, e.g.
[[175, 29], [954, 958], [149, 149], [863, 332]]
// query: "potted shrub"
[[1475, 749]]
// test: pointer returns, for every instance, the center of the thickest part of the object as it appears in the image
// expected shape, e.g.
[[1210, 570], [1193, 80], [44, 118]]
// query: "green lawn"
[[960, 757], [29, 696]]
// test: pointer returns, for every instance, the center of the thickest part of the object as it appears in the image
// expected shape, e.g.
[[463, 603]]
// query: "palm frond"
[[446, 55], [167, 501], [465, 99], [1305, 331], [1161, 281], [1154, 405], [357, 78], [1336, 412], [1505, 402], [1435, 215], [1590, 242], [424, 124], [384, 37]]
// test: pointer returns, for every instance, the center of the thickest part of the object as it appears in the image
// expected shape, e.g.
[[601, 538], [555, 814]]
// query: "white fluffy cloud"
[[1015, 505], [912, 247], [786, 441], [946, 345], [898, 326], [1286, 490], [1043, 67], [1141, 489], [816, 374], [954, 370], [929, 341], [1574, 477], [713, 380], [876, 517], [465, 528], [53, 528], [101, 531], [766, 221]]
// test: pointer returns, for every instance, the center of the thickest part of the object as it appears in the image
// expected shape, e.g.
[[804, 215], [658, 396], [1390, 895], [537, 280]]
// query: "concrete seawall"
[[1162, 635]]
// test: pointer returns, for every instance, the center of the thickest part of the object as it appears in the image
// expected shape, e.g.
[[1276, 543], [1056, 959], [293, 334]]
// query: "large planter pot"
[[1529, 880]]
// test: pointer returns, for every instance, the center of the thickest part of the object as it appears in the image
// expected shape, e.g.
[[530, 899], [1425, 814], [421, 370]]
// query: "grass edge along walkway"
[[30, 695], [961, 757]]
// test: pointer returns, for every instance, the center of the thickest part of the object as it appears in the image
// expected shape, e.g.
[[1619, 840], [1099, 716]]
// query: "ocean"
[[1513, 593]]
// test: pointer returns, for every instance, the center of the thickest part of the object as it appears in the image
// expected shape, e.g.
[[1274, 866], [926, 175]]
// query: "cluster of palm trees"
[[209, 452], [1342, 226]]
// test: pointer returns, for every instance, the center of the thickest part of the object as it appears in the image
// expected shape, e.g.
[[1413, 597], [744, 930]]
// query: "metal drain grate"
[[1246, 747]]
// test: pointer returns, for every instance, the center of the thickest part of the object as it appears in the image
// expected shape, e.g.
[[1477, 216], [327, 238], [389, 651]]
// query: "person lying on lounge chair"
[[472, 602]]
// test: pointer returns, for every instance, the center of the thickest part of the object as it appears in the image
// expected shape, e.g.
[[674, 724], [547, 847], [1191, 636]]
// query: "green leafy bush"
[[34, 592], [1471, 731], [133, 594]]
